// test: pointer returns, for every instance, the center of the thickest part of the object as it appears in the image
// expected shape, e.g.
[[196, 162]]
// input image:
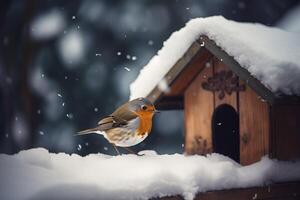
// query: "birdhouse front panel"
[[224, 115]]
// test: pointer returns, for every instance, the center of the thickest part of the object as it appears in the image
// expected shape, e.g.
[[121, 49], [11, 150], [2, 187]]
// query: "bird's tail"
[[89, 131]]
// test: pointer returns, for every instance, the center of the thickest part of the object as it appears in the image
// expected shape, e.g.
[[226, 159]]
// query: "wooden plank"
[[198, 104], [228, 99], [282, 191], [254, 127], [279, 191], [285, 132]]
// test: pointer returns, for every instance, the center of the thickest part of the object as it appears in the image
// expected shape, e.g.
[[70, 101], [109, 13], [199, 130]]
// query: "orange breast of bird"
[[145, 122]]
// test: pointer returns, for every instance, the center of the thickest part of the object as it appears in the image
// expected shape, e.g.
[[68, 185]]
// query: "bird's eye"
[[144, 107]]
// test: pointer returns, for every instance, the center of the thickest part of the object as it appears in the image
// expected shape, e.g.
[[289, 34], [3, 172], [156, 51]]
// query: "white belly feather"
[[131, 141], [128, 136]]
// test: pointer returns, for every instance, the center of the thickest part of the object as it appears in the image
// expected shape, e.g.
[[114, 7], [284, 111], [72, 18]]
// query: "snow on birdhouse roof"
[[270, 55], [38, 174]]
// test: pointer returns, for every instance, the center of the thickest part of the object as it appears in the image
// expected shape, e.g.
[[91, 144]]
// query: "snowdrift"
[[38, 174]]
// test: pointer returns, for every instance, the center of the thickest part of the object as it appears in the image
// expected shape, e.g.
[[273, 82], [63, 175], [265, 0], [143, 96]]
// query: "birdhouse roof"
[[266, 58]]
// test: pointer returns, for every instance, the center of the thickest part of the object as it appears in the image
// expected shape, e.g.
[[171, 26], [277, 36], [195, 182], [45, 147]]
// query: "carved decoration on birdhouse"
[[223, 82]]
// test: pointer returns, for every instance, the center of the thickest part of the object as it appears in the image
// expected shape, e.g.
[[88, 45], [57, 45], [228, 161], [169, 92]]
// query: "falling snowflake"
[[79, 147], [59, 95], [69, 115], [119, 53], [150, 42], [207, 65], [127, 69], [41, 133], [73, 17], [134, 58]]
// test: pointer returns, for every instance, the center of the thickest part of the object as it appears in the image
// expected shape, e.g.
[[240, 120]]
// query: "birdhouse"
[[226, 109], [239, 99], [238, 85]]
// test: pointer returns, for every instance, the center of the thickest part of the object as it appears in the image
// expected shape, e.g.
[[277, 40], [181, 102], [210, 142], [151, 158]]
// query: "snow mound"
[[38, 174], [269, 54]]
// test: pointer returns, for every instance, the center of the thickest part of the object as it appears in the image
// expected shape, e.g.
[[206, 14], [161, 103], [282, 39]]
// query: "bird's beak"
[[156, 111]]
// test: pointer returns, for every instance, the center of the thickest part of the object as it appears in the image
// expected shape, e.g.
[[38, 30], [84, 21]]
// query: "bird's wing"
[[108, 123], [119, 118], [124, 115], [114, 121]]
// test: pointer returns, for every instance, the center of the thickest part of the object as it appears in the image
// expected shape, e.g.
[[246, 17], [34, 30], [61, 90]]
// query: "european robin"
[[127, 126]]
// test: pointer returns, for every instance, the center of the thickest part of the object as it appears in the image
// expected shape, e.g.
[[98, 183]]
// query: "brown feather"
[[88, 131], [124, 113]]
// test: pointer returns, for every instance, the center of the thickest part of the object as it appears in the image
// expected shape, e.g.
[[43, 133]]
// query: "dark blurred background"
[[65, 64]]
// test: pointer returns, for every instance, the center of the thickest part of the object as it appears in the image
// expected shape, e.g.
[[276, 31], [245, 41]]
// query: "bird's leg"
[[129, 150], [115, 147]]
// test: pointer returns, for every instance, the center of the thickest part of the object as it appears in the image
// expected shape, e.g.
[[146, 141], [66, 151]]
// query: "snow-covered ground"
[[38, 174], [269, 54]]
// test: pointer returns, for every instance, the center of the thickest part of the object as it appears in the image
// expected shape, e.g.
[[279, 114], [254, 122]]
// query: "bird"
[[128, 125]]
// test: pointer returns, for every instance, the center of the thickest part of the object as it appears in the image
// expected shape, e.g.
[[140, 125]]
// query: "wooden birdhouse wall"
[[198, 109], [200, 103], [285, 126], [254, 126]]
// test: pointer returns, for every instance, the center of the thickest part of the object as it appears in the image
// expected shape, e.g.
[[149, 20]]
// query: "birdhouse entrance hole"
[[225, 132]]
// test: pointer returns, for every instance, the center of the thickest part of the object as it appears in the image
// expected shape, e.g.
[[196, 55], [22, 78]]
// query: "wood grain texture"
[[228, 99], [198, 104], [280, 191], [285, 132], [254, 127]]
